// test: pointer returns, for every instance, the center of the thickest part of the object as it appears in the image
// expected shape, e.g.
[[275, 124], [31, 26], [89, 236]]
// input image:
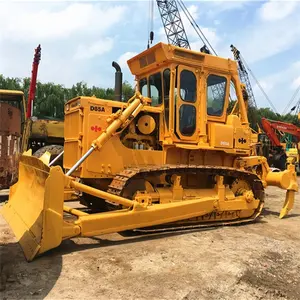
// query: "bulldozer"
[[171, 157]]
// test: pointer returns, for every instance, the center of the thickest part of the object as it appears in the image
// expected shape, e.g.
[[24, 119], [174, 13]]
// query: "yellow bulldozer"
[[170, 157]]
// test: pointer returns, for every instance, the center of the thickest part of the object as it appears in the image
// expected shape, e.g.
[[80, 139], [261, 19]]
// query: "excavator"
[[286, 150], [169, 158]]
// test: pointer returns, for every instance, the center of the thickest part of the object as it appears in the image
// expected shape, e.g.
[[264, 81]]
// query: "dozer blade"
[[37, 226]]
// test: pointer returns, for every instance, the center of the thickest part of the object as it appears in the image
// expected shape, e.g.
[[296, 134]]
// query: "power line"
[[195, 26], [259, 85], [291, 101]]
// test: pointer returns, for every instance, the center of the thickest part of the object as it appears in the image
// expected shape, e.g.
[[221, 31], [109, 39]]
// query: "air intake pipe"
[[118, 81]]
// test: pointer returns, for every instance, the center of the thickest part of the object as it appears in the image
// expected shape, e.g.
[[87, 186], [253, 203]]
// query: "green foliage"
[[50, 98], [128, 91], [269, 114], [255, 115]]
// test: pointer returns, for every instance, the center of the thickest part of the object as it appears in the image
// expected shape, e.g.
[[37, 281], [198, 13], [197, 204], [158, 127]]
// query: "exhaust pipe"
[[118, 81]]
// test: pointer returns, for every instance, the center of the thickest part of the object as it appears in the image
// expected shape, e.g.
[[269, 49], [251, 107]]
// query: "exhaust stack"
[[118, 81]]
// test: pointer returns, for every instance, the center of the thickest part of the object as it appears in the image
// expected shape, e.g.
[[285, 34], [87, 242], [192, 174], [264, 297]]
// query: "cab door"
[[186, 105]]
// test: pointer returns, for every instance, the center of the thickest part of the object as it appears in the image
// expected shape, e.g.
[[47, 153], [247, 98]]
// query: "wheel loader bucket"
[[36, 224]]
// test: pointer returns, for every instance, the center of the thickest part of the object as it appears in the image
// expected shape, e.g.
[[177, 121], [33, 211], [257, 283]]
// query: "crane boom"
[[244, 77], [175, 31], [32, 88], [172, 23]]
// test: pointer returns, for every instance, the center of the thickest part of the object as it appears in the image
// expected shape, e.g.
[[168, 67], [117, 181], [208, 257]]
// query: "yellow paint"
[[121, 140]]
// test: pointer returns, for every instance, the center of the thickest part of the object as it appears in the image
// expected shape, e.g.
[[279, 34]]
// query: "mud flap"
[[35, 207]]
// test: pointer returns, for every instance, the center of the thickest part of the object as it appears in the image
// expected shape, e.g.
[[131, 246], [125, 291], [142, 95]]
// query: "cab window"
[[187, 120], [152, 88], [155, 88], [143, 87], [188, 86], [216, 91]]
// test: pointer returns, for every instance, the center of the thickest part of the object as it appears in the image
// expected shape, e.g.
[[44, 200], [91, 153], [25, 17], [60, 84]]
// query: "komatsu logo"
[[97, 108], [96, 128]]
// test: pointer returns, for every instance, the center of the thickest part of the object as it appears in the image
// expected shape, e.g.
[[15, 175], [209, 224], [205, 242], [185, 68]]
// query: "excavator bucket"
[[36, 224]]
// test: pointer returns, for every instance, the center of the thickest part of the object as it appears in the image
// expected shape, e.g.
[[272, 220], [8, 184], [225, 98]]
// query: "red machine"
[[32, 88], [276, 154], [270, 128]]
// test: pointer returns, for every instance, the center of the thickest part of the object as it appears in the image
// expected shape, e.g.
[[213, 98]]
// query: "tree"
[[50, 98], [127, 91]]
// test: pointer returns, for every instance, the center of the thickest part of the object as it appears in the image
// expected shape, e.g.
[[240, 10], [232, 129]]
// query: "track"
[[122, 180]]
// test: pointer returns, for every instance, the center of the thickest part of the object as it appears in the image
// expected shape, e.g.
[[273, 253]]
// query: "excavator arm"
[[270, 127]]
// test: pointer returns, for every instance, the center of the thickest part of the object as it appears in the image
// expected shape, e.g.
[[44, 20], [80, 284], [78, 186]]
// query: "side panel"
[[199, 157], [242, 138], [10, 135], [114, 157], [221, 136], [90, 120], [73, 137]]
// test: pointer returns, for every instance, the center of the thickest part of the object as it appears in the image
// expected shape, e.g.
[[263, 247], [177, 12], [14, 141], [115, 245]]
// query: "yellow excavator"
[[170, 157]]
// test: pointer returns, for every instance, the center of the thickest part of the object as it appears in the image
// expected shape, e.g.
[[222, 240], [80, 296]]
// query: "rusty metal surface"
[[10, 136]]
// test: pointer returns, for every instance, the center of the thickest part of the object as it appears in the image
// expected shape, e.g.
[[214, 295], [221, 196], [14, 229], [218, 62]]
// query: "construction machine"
[[284, 143], [20, 130], [44, 134], [169, 158], [12, 104]]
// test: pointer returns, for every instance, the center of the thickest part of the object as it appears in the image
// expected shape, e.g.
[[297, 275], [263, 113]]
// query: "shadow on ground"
[[127, 237], [268, 212], [23, 280]]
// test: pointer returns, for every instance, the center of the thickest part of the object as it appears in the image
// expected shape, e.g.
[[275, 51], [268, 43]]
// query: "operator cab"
[[192, 88], [11, 118], [12, 111]]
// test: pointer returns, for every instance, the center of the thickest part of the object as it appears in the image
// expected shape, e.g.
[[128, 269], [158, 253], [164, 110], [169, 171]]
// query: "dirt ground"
[[260, 260]]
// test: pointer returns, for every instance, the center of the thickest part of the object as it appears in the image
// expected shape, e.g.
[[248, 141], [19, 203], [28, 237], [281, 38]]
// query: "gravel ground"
[[260, 260]]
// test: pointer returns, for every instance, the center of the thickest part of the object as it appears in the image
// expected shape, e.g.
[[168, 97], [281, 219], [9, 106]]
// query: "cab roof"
[[11, 95], [162, 54]]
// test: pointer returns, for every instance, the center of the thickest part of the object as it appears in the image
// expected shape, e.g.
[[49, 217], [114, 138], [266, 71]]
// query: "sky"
[[80, 39]]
